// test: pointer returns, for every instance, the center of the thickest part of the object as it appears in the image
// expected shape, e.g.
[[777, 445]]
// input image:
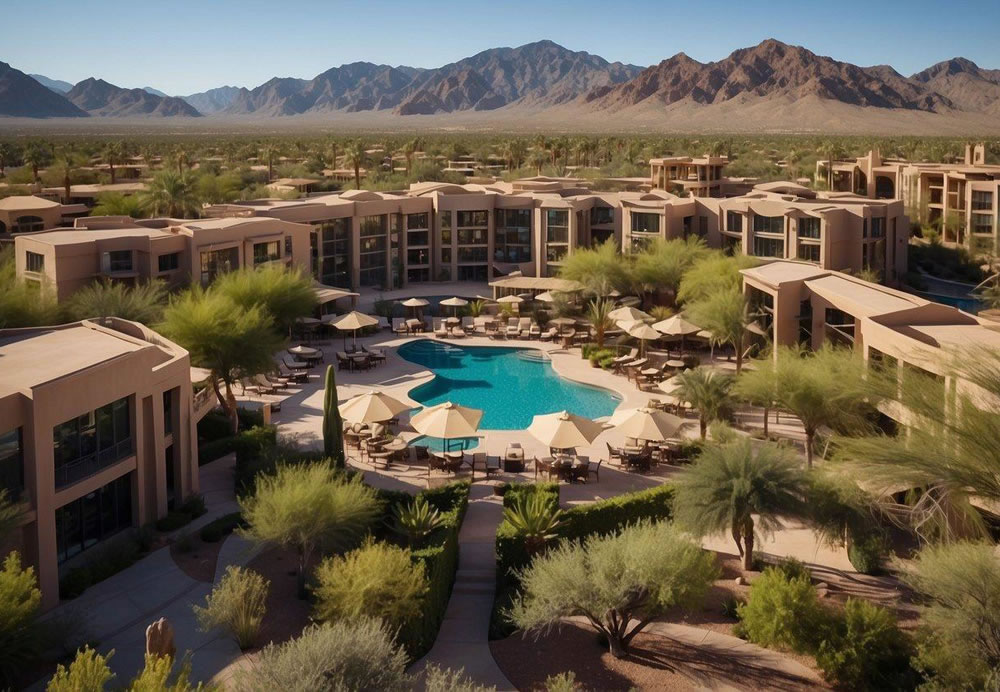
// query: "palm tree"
[[725, 313], [759, 386], [597, 312], [170, 194], [744, 490], [67, 159], [409, 150], [832, 151], [37, 154], [113, 152], [538, 158], [354, 156], [268, 153], [708, 391]]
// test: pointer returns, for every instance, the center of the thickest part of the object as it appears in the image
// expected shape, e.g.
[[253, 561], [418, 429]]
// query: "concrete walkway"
[[463, 641]]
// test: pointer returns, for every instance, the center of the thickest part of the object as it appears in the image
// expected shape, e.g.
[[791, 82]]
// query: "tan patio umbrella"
[[645, 423], [455, 302], [629, 313], [677, 326], [644, 333], [371, 407], [415, 304], [447, 421], [352, 322], [511, 300], [546, 297], [564, 430]]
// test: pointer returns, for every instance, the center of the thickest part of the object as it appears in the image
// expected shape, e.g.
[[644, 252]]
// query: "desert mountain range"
[[771, 81]]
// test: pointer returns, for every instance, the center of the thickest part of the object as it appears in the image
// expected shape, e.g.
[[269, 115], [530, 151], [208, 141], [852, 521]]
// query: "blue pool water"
[[436, 444], [510, 385]]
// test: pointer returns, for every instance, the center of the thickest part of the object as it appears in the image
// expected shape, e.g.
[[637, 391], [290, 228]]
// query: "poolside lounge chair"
[[513, 458], [296, 364], [524, 324], [264, 385], [414, 325], [383, 322], [276, 380], [468, 324], [479, 325], [549, 335], [534, 331], [457, 332], [440, 329], [621, 360], [513, 328], [399, 326], [293, 375]]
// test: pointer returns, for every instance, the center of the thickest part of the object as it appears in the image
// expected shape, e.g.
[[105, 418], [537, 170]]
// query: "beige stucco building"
[[28, 213], [97, 436], [175, 251]]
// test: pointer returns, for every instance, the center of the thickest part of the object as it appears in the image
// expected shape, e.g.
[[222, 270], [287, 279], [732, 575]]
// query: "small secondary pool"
[[510, 385]]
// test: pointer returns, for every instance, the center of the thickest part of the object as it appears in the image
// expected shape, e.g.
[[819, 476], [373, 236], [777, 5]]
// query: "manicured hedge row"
[[215, 437], [440, 560]]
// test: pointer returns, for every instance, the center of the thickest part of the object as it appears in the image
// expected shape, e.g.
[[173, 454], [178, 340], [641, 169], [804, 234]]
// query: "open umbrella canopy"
[[447, 421], [646, 423], [564, 430], [371, 407], [455, 302], [546, 297], [641, 330], [513, 300], [676, 326], [563, 321], [629, 313], [354, 320], [415, 303]]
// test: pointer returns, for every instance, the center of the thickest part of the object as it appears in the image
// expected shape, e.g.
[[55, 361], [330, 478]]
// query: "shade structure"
[[352, 322], [415, 303], [546, 297], [643, 332], [455, 302], [646, 423], [447, 421], [564, 430], [371, 407], [676, 326], [629, 313], [511, 300]]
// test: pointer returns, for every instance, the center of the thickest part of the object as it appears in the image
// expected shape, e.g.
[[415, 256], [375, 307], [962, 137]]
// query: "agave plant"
[[536, 519], [416, 520]]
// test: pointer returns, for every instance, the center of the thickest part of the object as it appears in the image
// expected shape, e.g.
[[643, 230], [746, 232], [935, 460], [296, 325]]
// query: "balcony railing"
[[78, 469]]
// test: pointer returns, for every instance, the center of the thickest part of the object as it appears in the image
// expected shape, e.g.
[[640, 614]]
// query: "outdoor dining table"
[[395, 447], [306, 353]]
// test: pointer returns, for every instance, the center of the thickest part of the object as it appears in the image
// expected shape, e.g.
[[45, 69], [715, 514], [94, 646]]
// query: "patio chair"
[[513, 458], [440, 329], [399, 326], [296, 364], [383, 322], [544, 465], [534, 331], [524, 324], [621, 360], [549, 335], [468, 324], [264, 386], [594, 469], [479, 325], [293, 375], [343, 362], [614, 455], [513, 328], [457, 332], [421, 452], [376, 355], [491, 465]]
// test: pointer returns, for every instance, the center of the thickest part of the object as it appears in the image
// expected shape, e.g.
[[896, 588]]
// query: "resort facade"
[[97, 436]]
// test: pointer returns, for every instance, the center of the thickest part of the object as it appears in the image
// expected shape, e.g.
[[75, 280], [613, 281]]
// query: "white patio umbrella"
[[629, 313], [416, 304], [645, 423], [546, 297], [511, 300], [564, 430], [455, 302], [644, 333], [447, 421], [677, 326], [371, 407], [352, 322]]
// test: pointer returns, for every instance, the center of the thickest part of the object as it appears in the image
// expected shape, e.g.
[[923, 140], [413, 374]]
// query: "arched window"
[[860, 182], [27, 224], [884, 188]]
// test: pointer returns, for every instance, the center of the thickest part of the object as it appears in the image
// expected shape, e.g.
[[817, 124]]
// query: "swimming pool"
[[510, 385]]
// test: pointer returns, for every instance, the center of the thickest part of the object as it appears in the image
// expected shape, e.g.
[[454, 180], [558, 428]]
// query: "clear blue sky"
[[185, 46]]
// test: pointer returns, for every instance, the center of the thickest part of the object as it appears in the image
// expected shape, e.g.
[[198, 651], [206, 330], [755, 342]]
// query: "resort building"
[[175, 251], [800, 303], [28, 213], [961, 197], [693, 176], [97, 435]]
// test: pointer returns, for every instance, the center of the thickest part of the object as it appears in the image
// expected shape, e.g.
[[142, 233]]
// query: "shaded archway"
[[860, 182], [885, 187]]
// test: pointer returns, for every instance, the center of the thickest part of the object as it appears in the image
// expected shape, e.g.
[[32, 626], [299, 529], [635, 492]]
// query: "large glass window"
[[12, 463], [982, 223], [373, 248], [34, 262], [557, 226], [27, 224], [120, 261], [333, 253], [512, 235], [768, 247], [418, 221], [809, 227], [809, 252], [734, 222], [602, 216], [645, 223], [86, 444], [168, 262], [878, 227], [89, 520], [472, 218], [266, 252], [472, 236], [418, 256], [982, 200], [215, 262], [769, 224]]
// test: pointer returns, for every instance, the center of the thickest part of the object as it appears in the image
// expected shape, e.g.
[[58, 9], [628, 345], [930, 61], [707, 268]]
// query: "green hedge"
[[215, 438], [579, 522], [440, 560], [215, 530]]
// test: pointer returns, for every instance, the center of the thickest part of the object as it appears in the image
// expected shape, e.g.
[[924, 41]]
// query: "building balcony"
[[85, 466]]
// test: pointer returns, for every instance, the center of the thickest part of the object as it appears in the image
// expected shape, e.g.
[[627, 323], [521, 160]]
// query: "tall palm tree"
[[37, 154], [268, 153], [726, 314], [354, 156], [741, 489], [113, 152], [597, 312], [171, 194], [708, 391], [68, 161], [538, 158], [408, 150]]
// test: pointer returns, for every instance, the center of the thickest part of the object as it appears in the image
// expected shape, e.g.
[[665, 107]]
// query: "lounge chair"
[[383, 322], [549, 335], [479, 325], [534, 331], [296, 364], [513, 458], [468, 324], [414, 325], [524, 324], [293, 375], [440, 329], [457, 332], [621, 360], [399, 326], [276, 380], [264, 386], [513, 328]]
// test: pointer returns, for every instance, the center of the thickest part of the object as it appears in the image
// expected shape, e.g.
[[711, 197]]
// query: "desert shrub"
[[866, 650], [19, 603], [378, 579], [156, 675], [438, 679], [215, 530], [616, 580], [194, 505], [237, 604], [794, 569], [88, 671], [731, 607], [534, 520], [416, 520], [174, 520], [561, 682], [344, 655], [784, 612], [867, 553]]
